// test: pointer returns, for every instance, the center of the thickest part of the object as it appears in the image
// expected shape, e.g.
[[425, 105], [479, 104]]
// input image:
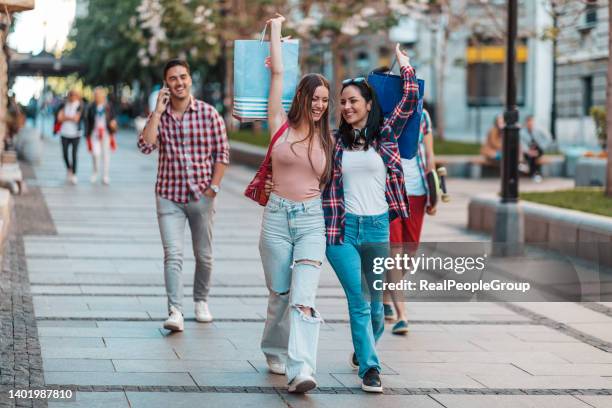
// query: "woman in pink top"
[[292, 241]]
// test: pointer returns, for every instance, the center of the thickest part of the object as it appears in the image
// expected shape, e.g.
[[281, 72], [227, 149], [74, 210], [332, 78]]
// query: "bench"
[[475, 167]]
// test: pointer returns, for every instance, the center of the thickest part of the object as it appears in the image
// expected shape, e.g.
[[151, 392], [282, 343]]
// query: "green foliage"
[[105, 43], [449, 147], [250, 137], [598, 113]]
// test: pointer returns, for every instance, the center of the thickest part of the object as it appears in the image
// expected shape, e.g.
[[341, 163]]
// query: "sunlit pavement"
[[99, 302]]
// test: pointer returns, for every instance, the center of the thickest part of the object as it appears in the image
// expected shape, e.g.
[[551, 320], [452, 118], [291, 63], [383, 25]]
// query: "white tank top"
[[364, 176]]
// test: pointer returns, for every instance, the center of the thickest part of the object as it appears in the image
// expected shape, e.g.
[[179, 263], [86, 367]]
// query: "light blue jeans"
[[171, 218], [365, 237], [292, 247]]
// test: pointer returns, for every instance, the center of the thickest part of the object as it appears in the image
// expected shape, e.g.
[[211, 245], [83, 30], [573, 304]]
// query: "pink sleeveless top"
[[292, 174]]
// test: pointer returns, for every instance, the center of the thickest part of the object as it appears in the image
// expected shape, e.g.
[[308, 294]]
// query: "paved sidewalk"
[[99, 303]]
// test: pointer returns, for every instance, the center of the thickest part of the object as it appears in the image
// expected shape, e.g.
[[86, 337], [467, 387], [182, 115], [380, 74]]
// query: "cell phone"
[[165, 88]]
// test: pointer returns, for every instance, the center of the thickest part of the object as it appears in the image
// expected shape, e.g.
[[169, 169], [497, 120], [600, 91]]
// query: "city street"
[[99, 301]]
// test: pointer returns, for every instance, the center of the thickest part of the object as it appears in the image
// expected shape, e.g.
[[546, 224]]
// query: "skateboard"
[[436, 183]]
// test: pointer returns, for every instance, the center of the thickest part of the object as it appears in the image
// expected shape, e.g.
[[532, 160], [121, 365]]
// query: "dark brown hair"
[[301, 107], [373, 124], [176, 62]]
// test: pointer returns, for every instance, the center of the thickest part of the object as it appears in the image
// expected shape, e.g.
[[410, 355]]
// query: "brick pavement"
[[98, 296]]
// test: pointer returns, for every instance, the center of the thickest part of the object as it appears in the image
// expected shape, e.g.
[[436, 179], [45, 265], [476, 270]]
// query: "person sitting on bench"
[[534, 142], [492, 148]]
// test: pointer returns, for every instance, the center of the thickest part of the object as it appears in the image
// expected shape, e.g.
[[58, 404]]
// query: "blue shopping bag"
[[388, 88], [252, 77]]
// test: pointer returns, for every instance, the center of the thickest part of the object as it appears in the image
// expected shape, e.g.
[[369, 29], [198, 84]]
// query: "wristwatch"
[[214, 188]]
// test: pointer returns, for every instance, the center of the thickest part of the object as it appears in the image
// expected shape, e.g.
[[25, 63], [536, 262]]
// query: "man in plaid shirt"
[[193, 153]]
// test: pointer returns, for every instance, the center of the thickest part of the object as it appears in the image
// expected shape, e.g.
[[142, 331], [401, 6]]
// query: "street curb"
[[575, 233]]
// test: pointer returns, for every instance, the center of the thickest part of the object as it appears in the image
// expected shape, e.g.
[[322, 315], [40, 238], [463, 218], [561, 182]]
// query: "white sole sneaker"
[[369, 388], [277, 368], [301, 385], [174, 326]]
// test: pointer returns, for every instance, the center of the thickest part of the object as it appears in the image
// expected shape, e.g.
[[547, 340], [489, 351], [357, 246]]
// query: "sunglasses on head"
[[353, 81]]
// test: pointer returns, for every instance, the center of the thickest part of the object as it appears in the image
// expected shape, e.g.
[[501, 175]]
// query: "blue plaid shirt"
[[395, 191]]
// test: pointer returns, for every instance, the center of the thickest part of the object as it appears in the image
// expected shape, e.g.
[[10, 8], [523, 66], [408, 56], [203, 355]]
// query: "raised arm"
[[394, 124], [276, 113]]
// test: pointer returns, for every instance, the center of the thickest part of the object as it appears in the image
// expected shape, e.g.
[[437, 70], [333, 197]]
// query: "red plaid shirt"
[[395, 191], [188, 150]]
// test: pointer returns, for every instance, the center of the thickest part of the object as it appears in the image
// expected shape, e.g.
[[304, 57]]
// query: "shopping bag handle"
[[263, 33], [390, 71]]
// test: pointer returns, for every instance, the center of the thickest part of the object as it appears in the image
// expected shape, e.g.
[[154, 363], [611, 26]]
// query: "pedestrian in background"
[[193, 154], [69, 123], [408, 230], [100, 134], [534, 141], [492, 147]]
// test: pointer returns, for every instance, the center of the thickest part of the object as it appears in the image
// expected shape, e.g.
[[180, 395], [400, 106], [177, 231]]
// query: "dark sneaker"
[[371, 381], [389, 312], [354, 362], [400, 328]]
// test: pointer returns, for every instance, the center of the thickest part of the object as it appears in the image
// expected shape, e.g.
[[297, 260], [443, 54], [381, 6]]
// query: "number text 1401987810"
[[41, 394]]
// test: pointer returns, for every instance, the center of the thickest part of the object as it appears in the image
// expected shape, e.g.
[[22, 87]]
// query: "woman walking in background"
[[100, 134], [69, 116]]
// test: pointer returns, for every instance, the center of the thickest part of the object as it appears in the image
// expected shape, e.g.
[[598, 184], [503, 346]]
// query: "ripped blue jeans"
[[292, 247]]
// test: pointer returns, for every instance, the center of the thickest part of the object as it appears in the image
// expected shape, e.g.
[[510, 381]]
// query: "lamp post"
[[511, 116], [509, 229]]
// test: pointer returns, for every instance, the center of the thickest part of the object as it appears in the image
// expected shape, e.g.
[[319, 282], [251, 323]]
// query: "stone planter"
[[590, 172]]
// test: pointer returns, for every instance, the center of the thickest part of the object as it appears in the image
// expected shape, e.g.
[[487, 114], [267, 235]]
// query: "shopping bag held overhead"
[[388, 88], [252, 77]]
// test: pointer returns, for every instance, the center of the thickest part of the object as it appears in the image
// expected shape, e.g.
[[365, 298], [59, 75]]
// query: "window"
[[486, 75], [362, 63], [590, 12], [587, 95]]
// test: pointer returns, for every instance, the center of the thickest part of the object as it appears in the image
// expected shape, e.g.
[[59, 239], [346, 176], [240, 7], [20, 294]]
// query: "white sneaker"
[[175, 321], [74, 180], [537, 178], [93, 178], [302, 384], [202, 313], [106, 180], [277, 367]]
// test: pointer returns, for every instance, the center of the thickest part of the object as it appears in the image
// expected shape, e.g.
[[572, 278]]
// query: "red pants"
[[409, 230]]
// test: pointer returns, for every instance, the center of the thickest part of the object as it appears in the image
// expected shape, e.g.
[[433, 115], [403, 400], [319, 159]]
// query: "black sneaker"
[[371, 381], [354, 362]]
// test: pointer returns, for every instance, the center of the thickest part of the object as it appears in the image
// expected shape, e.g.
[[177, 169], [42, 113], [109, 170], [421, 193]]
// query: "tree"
[[337, 22], [557, 9], [446, 18], [104, 42]]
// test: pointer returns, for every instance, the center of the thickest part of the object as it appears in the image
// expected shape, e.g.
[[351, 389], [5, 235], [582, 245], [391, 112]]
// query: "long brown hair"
[[301, 110]]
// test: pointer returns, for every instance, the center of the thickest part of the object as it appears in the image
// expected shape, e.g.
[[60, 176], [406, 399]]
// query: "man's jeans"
[[365, 237], [171, 218], [292, 247]]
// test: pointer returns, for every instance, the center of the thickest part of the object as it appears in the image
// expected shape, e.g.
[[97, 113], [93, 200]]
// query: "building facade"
[[582, 60], [474, 71]]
